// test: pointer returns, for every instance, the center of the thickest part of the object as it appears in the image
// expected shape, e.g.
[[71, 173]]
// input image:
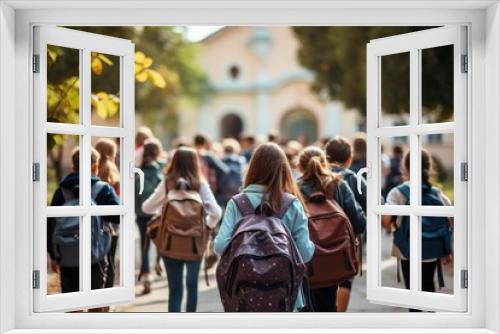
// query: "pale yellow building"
[[259, 86]]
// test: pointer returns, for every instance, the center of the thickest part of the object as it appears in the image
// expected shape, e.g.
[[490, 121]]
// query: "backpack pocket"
[[263, 298]]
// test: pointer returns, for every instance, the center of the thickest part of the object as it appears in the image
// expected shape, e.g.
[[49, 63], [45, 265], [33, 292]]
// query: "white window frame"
[[16, 21], [85, 43], [413, 44]]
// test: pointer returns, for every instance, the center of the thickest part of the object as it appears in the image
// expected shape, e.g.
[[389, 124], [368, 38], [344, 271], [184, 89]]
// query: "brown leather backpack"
[[181, 232], [335, 256]]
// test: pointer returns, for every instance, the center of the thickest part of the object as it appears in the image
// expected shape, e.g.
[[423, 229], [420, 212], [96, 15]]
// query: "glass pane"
[[63, 85], [63, 164], [395, 89], [105, 167], [63, 258], [105, 83], [438, 150], [393, 172], [437, 84], [105, 252], [436, 254], [394, 237]]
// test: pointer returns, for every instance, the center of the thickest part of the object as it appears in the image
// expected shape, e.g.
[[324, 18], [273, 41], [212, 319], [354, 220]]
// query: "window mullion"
[[415, 174], [85, 170]]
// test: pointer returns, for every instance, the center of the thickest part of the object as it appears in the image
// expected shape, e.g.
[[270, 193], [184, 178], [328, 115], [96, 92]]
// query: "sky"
[[197, 33]]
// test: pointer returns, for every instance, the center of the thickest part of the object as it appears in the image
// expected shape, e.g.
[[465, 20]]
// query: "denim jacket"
[[295, 220]]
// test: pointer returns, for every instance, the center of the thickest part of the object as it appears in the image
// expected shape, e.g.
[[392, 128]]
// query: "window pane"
[[63, 258], [63, 84], [394, 241], [436, 244], [392, 171], [105, 252], [395, 89], [105, 167], [440, 172], [105, 83], [437, 84], [63, 163]]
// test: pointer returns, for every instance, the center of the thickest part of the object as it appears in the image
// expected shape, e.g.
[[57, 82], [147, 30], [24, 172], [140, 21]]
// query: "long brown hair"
[[269, 167], [152, 150], [313, 163], [426, 166], [108, 171], [184, 164]]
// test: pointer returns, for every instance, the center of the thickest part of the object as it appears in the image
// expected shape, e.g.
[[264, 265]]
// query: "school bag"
[[66, 237], [230, 183], [261, 269], [436, 234], [181, 232], [335, 256]]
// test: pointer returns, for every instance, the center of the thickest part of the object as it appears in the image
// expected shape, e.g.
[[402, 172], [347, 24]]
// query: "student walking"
[[269, 191], [108, 172], [188, 210], [339, 153], [333, 210], [153, 175], [231, 182], [63, 233], [436, 231]]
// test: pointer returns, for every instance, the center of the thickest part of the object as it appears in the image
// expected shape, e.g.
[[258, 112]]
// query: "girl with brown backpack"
[[188, 211], [263, 227], [335, 218]]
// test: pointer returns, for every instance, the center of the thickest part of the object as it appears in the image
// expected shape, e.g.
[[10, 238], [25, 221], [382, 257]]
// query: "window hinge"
[[464, 279], [36, 279], [36, 63], [36, 172], [465, 63], [464, 171]]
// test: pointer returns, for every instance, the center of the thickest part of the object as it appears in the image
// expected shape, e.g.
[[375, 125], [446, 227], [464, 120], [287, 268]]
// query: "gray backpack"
[[66, 237]]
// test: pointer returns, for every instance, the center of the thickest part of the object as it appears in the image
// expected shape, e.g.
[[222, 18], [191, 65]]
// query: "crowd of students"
[[255, 205]]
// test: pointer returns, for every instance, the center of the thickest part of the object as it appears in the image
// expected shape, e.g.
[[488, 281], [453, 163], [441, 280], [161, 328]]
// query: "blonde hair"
[[108, 171], [75, 157], [231, 146]]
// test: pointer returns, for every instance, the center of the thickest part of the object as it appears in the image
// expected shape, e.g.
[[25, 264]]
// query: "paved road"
[[209, 301]]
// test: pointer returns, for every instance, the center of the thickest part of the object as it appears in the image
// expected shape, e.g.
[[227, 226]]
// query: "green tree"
[[337, 56]]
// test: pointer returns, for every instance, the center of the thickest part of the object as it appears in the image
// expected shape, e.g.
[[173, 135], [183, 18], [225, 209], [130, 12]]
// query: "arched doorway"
[[231, 126], [299, 124]]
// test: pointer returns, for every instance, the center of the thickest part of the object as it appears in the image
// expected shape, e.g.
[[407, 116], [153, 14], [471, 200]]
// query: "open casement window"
[[83, 94], [431, 68]]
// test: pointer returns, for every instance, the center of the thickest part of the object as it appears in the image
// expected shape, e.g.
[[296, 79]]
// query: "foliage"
[[337, 56]]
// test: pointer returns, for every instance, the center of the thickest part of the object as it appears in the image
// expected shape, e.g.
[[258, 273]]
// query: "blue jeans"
[[142, 223], [175, 271]]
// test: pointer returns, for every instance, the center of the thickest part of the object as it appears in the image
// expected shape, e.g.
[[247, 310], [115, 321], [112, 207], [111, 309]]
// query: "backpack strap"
[[405, 190], [96, 189], [330, 190], [68, 194], [285, 204], [243, 204], [440, 273]]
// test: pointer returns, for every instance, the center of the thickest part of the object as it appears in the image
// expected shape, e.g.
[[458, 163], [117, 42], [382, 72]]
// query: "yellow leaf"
[[142, 76], [96, 66], [147, 62], [105, 59], [102, 111], [139, 57], [156, 78]]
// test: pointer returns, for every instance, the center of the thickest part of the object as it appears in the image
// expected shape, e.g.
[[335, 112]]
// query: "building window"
[[234, 72]]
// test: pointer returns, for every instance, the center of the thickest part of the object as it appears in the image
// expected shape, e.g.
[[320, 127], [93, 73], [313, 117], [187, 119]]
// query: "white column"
[[262, 112]]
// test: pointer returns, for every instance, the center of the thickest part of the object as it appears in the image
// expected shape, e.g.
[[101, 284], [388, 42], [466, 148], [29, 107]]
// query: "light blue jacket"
[[295, 220]]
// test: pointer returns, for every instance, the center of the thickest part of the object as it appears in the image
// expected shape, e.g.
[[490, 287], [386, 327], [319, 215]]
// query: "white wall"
[[7, 176]]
